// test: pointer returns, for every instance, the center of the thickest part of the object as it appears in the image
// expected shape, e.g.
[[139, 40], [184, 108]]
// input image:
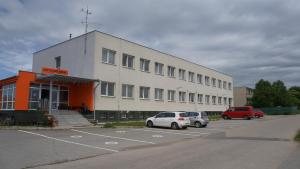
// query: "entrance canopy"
[[64, 79]]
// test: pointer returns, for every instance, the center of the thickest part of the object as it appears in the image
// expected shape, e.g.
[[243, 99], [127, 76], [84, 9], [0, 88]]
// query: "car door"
[[170, 117], [159, 119], [193, 117]]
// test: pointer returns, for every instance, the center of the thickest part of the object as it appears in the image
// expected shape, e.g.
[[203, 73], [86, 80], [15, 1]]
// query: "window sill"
[[108, 96], [113, 64], [130, 68], [157, 100], [171, 100], [145, 99], [182, 101], [200, 103], [192, 102], [128, 98], [145, 71], [159, 74], [173, 77]]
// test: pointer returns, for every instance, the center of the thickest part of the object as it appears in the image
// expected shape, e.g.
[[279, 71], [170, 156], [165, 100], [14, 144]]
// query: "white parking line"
[[121, 138], [70, 142], [177, 133]]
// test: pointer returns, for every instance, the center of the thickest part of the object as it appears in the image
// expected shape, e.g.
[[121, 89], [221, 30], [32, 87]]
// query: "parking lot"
[[31, 148]]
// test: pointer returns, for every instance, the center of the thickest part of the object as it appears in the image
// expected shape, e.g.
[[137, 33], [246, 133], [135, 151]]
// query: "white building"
[[137, 78]]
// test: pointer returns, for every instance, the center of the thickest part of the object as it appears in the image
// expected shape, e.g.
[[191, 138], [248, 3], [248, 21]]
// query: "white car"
[[175, 120]]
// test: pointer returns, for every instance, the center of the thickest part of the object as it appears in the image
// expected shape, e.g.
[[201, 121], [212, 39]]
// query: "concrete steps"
[[69, 118]]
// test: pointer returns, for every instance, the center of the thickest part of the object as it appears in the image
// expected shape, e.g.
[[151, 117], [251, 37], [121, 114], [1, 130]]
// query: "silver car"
[[198, 119]]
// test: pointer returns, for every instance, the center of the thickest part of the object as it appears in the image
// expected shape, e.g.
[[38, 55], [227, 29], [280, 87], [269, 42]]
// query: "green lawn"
[[214, 117]]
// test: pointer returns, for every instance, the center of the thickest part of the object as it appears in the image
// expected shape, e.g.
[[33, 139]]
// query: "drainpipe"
[[95, 99], [50, 98]]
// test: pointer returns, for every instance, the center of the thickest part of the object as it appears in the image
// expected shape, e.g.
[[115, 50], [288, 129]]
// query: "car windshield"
[[182, 115]]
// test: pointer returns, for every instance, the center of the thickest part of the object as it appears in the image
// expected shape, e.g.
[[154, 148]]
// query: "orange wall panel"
[[82, 94], [22, 89]]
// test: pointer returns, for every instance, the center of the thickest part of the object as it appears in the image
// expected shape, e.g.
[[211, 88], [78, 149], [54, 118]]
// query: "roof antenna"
[[87, 13]]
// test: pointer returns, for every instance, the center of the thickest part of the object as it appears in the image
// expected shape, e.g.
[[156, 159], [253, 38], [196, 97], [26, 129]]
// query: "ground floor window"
[[144, 92], [200, 98], [159, 94], [107, 88], [127, 91], [207, 100], [8, 93], [192, 97], [171, 95], [182, 96]]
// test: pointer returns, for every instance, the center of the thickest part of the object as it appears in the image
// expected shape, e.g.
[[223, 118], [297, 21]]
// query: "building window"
[[192, 97], [200, 98], [8, 97], [214, 82], [182, 96], [181, 74], [199, 78], [207, 83], [171, 95], [207, 101], [230, 101], [229, 86], [107, 88], [159, 94], [34, 96], [127, 91], [108, 56], [58, 62], [224, 85], [144, 92], [159, 68], [191, 77], [128, 61], [214, 99], [220, 84], [171, 71], [144, 65], [219, 100], [225, 100]]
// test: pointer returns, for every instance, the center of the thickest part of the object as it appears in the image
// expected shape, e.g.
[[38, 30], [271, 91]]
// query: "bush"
[[297, 137]]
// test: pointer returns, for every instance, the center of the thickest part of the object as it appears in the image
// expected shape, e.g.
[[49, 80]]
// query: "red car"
[[246, 112], [258, 113]]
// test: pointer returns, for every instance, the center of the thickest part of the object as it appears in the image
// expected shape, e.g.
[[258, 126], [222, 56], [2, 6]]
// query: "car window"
[[182, 115], [161, 115], [196, 114], [171, 114]]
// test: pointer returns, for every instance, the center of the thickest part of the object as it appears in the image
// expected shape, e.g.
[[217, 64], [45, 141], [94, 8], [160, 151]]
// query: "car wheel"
[[184, 127], [149, 124], [174, 126], [247, 118], [226, 117], [198, 124]]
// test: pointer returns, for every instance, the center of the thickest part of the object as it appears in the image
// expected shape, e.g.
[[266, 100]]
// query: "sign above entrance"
[[48, 70]]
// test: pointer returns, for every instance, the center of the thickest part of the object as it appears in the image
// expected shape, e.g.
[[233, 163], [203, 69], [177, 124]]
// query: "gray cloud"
[[249, 39]]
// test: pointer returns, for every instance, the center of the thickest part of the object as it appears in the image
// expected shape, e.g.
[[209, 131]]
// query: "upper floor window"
[[159, 94], [159, 68], [214, 82], [229, 86], [181, 74], [144, 65], [171, 95], [128, 61], [107, 88], [200, 98], [219, 100], [127, 91], [182, 96], [230, 101], [225, 100], [199, 78], [220, 83], [144, 92], [171, 71], [108, 56], [214, 98], [224, 85], [192, 77], [192, 97], [58, 62], [207, 100], [207, 83]]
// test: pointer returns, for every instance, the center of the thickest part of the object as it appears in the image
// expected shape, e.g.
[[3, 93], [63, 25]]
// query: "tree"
[[281, 96], [263, 94], [294, 92]]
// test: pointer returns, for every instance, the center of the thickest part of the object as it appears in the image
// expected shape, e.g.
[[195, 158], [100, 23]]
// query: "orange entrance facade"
[[51, 90]]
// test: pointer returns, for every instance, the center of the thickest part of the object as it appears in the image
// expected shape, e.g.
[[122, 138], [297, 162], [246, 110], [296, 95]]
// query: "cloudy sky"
[[248, 39]]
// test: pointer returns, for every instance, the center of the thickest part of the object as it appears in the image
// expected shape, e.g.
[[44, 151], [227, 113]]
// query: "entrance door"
[[55, 99], [45, 94]]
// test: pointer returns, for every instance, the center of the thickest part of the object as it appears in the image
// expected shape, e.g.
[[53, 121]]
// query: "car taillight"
[[180, 118]]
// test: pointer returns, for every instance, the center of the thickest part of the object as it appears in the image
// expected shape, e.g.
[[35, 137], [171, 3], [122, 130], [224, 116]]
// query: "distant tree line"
[[275, 94]]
